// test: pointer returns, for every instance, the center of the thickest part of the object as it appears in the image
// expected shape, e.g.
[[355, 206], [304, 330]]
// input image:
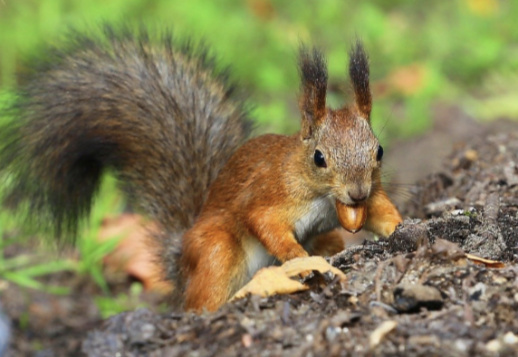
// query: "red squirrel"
[[171, 127]]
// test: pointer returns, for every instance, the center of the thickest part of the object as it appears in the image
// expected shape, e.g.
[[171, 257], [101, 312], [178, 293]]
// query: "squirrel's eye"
[[379, 155], [320, 161]]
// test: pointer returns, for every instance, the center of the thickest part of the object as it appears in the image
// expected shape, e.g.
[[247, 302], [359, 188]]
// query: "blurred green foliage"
[[25, 269], [91, 249], [112, 305], [421, 52]]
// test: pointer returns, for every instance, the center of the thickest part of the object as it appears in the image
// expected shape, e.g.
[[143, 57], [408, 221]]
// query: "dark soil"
[[415, 295]]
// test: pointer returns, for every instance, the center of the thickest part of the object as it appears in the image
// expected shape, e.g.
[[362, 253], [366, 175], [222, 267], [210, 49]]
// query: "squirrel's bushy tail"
[[159, 115]]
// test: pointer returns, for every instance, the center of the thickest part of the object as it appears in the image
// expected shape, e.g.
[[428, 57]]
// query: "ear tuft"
[[313, 74], [359, 74]]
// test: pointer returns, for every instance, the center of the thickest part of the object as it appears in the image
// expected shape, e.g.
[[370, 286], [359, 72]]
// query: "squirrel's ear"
[[313, 74], [359, 74]]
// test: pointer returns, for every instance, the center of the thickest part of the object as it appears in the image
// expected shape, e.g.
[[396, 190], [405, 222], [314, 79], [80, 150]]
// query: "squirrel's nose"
[[357, 195]]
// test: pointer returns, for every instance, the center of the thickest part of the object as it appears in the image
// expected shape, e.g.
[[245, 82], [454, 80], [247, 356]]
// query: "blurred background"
[[430, 61], [463, 52]]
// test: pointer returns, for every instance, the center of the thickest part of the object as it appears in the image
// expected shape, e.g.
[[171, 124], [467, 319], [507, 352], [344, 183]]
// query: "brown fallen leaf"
[[297, 266], [269, 281], [277, 280], [380, 332], [450, 250], [409, 80], [487, 262], [134, 253]]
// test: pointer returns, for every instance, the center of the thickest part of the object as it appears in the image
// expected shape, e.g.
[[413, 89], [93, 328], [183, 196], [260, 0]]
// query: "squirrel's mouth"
[[351, 217]]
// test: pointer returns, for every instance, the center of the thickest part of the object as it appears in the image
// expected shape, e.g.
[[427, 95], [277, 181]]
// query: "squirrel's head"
[[340, 148]]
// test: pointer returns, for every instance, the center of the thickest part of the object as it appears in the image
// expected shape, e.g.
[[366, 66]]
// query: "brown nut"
[[352, 218]]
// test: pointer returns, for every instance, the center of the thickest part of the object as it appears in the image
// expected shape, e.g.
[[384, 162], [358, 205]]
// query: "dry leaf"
[[381, 331], [408, 80], [487, 262], [270, 281], [298, 266], [134, 253], [450, 250], [277, 280], [263, 9]]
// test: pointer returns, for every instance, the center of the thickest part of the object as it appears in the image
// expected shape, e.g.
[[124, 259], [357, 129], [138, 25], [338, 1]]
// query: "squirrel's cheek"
[[351, 217]]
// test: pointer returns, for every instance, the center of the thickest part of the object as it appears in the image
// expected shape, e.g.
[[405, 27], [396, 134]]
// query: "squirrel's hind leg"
[[213, 267]]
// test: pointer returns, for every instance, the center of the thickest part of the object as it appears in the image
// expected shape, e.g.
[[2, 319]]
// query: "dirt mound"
[[418, 294]]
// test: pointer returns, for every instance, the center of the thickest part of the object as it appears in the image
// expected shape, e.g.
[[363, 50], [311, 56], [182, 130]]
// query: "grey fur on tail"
[[157, 113]]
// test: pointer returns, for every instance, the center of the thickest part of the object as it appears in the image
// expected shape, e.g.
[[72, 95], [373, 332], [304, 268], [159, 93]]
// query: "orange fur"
[[382, 216], [328, 244]]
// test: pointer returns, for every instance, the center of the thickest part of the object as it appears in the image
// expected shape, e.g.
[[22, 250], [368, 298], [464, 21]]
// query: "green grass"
[[462, 53], [91, 250], [460, 45], [25, 269], [112, 305]]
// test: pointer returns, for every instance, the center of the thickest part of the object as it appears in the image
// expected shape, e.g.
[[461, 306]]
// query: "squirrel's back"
[[160, 115]]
